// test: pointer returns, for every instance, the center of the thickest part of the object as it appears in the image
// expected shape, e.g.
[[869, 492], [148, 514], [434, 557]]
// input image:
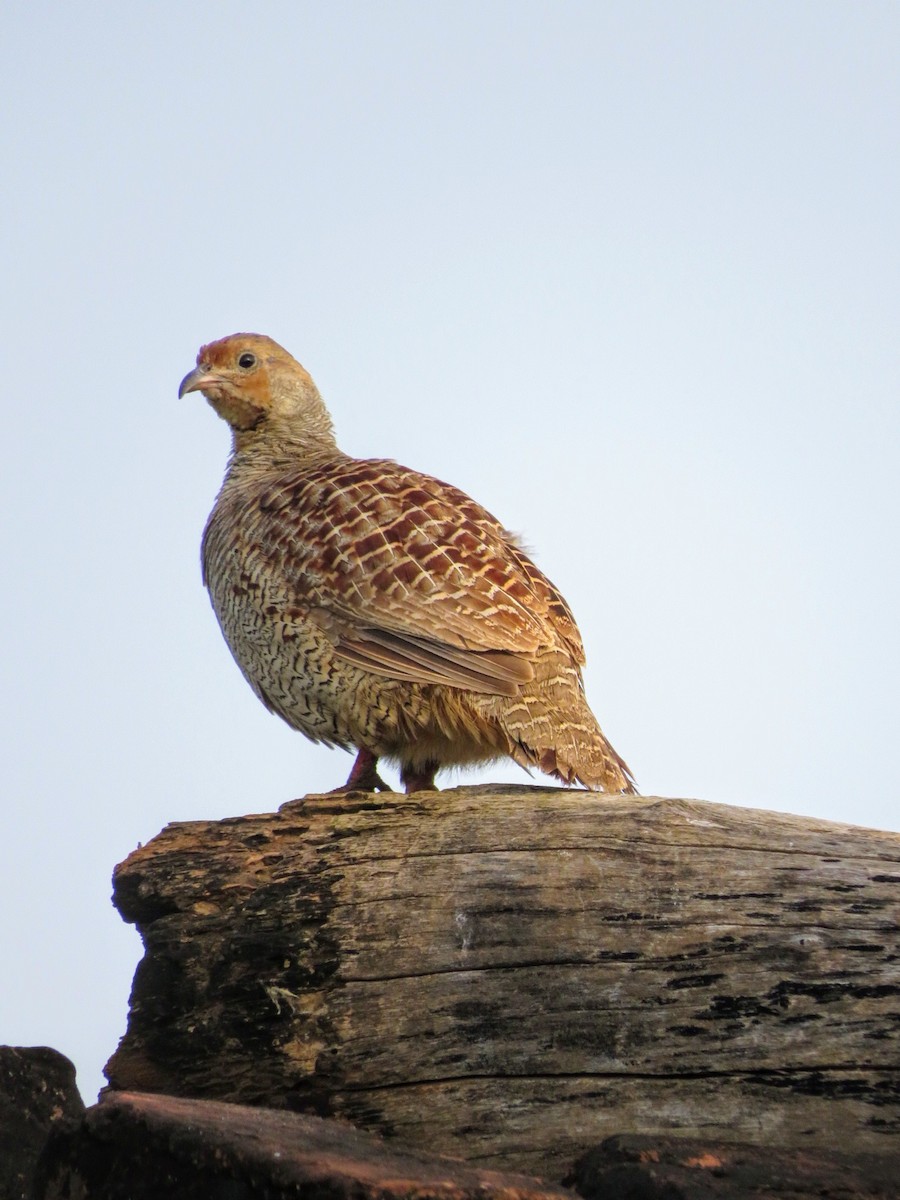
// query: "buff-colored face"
[[243, 377]]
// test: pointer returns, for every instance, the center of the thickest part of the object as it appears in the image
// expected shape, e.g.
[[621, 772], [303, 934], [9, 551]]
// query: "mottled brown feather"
[[387, 547], [371, 605]]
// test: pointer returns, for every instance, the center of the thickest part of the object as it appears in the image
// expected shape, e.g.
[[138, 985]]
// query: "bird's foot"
[[363, 776], [419, 779]]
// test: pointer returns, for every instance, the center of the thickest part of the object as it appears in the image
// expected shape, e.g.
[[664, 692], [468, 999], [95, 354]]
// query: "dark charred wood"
[[37, 1091]]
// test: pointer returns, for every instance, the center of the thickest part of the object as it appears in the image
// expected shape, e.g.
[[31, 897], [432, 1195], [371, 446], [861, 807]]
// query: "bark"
[[512, 975]]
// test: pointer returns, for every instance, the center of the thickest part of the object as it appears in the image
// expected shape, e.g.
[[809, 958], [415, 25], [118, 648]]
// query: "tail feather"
[[588, 759], [551, 727]]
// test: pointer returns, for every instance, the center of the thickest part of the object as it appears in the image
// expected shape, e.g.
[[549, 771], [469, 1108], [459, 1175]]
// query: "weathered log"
[[671, 1168], [147, 1147], [512, 975], [134, 1147]]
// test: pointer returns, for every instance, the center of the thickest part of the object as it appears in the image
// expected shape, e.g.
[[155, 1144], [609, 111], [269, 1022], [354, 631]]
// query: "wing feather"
[[410, 576]]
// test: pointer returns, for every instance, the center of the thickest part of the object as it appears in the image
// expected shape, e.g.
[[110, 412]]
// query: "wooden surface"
[[37, 1093], [513, 975], [146, 1147], [674, 1168], [138, 1147]]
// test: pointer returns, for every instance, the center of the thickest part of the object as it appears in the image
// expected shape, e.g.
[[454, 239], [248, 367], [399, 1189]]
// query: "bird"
[[376, 608]]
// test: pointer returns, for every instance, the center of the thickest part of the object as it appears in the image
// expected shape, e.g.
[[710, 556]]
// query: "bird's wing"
[[409, 577]]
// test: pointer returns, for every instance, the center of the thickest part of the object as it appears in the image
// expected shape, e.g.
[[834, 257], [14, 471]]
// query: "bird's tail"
[[597, 765], [552, 728]]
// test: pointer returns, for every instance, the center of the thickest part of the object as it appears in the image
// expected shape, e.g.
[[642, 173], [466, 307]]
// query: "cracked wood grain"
[[512, 974]]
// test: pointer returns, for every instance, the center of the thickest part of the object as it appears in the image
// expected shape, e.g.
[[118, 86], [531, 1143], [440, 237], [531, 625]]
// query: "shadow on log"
[[512, 975]]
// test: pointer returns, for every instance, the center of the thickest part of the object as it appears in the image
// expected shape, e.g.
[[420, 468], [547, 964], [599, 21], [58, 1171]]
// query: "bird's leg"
[[419, 779], [363, 776]]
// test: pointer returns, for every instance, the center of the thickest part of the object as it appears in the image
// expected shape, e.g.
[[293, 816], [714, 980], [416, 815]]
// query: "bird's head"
[[253, 383]]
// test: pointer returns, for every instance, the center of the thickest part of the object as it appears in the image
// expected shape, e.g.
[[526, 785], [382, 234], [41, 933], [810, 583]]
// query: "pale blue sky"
[[627, 272]]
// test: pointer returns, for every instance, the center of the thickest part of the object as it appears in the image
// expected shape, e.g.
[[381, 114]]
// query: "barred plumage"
[[372, 606]]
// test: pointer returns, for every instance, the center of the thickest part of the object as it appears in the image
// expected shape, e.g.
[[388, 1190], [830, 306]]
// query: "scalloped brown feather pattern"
[[370, 605], [383, 545]]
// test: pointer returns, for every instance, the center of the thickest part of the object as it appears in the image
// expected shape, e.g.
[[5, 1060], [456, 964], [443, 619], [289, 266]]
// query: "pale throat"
[[278, 440]]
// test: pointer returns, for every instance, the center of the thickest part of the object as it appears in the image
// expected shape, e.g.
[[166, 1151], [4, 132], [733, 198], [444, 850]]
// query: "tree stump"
[[511, 975]]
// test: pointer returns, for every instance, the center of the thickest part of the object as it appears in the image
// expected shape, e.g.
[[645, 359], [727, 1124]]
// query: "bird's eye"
[[247, 360]]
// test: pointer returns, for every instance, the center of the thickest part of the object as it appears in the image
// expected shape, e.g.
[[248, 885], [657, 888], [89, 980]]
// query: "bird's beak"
[[196, 381]]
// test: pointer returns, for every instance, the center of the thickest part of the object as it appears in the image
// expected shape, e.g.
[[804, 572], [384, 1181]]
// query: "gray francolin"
[[375, 607]]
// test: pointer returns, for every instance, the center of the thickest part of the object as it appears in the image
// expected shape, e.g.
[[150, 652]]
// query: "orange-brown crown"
[[245, 377]]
